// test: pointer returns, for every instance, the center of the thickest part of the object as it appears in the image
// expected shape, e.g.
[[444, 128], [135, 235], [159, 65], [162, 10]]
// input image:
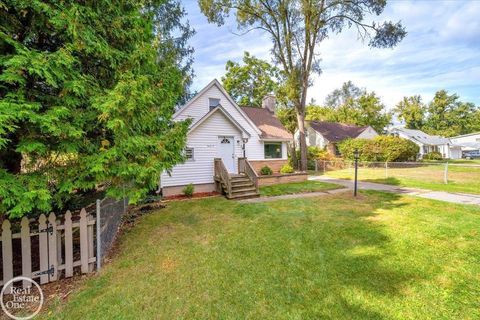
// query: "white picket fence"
[[57, 239]]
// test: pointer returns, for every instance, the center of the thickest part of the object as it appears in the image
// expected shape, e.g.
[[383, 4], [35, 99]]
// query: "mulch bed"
[[194, 196]]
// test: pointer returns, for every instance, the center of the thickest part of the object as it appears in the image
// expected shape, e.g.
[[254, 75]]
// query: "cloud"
[[441, 51]]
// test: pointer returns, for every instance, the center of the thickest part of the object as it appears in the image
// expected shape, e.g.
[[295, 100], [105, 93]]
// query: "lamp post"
[[355, 156], [245, 140]]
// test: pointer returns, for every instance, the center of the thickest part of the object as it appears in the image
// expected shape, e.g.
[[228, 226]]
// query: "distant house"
[[429, 143], [226, 138], [470, 143], [325, 134]]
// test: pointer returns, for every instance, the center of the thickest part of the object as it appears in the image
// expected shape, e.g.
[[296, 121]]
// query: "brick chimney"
[[269, 102]]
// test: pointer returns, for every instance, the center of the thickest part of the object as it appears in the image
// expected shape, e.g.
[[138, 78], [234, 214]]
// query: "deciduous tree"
[[411, 111], [297, 28], [250, 82]]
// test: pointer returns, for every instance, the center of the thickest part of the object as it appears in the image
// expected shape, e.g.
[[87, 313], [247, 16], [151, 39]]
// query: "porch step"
[[244, 190], [238, 196]]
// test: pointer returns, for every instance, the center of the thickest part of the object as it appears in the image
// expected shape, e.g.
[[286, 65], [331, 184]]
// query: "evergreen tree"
[[87, 91]]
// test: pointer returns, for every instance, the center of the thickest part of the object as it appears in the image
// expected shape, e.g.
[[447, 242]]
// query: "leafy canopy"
[[249, 83], [352, 105], [445, 115], [296, 29], [87, 91]]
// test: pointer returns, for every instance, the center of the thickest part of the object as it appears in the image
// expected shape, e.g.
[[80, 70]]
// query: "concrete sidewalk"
[[461, 198]]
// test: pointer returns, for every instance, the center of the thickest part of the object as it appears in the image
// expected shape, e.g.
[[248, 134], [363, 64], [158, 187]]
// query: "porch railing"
[[222, 175], [245, 167]]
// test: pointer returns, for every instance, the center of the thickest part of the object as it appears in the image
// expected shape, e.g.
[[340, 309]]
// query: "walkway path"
[[461, 198]]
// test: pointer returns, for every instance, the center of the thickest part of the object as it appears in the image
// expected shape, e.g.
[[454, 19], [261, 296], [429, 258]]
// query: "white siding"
[[204, 140], [368, 133], [199, 107]]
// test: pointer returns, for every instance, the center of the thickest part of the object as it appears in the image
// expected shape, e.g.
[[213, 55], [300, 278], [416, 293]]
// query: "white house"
[[327, 134], [429, 143], [468, 142], [221, 129]]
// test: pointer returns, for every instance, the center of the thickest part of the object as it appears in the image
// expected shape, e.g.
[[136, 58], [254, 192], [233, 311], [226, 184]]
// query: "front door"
[[226, 150]]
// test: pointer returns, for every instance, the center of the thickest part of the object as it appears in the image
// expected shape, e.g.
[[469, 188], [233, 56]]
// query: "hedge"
[[381, 148]]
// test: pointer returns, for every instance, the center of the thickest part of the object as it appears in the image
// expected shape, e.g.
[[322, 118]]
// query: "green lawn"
[[381, 256], [460, 179], [297, 187]]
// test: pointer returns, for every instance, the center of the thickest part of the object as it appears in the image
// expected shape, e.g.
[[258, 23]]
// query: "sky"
[[440, 51]]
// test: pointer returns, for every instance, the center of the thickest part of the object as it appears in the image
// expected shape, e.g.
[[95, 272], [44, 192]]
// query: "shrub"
[[434, 155], [266, 171], [286, 169], [188, 190], [381, 148], [313, 153]]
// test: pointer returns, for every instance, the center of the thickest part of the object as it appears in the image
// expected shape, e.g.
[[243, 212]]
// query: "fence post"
[[26, 252], [99, 236], [7, 257], [386, 169], [43, 247], [83, 241], [52, 246], [68, 245], [445, 174], [316, 165]]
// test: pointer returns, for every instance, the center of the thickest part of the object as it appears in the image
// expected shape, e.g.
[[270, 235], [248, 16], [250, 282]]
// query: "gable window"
[[189, 153], [213, 103], [273, 150]]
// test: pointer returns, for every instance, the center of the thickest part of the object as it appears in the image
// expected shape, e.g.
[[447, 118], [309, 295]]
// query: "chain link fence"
[[109, 218], [464, 177]]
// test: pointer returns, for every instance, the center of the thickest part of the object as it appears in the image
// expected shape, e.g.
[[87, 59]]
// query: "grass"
[[460, 179], [297, 187], [380, 256]]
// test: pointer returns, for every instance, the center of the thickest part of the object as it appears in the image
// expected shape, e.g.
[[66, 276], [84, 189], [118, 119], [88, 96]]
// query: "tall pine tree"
[[87, 91]]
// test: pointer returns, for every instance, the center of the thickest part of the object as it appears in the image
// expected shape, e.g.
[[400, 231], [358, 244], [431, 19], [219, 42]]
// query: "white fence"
[[59, 245], [50, 248]]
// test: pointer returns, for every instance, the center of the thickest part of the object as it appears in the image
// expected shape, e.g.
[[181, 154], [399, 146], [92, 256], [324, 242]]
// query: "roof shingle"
[[335, 132], [266, 121]]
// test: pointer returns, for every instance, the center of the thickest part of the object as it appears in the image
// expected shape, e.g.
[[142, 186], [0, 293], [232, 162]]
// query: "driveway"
[[461, 198]]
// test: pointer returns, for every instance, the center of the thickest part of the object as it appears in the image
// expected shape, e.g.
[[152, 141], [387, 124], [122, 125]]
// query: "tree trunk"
[[302, 139]]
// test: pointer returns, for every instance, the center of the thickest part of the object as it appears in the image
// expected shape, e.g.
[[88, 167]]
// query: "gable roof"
[[220, 109], [212, 83], [335, 132], [268, 123], [423, 137]]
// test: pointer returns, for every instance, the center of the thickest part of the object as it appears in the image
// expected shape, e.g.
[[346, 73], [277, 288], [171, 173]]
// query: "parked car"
[[473, 154]]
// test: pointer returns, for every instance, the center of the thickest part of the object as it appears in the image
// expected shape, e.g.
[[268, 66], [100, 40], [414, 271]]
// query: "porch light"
[[245, 140]]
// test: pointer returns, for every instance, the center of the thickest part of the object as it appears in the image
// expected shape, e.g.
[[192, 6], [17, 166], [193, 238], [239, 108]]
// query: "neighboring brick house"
[[327, 135]]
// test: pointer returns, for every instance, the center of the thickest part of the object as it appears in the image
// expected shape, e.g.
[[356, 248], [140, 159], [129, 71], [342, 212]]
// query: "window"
[[273, 150], [212, 103], [189, 153]]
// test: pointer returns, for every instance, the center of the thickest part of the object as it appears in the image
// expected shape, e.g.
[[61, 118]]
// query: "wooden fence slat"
[[59, 246], [68, 245], [83, 241], [90, 245], [43, 247], [26, 252], [7, 252], [52, 246]]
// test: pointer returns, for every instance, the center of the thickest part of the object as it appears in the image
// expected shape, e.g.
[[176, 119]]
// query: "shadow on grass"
[[340, 248]]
